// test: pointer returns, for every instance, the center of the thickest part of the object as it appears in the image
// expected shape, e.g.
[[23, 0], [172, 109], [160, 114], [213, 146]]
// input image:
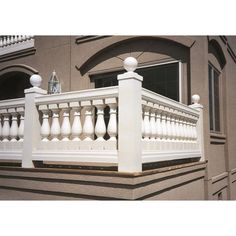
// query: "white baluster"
[[14, 125], [173, 126], [112, 124], [45, 127], [185, 129], [100, 127], [0, 127], [158, 123], [19, 38], [76, 128], [168, 124], [21, 111], [1, 42], [4, 41], [146, 121], [23, 37], [163, 123], [55, 126], [65, 127], [12, 39], [153, 123], [88, 127], [143, 122], [6, 125]]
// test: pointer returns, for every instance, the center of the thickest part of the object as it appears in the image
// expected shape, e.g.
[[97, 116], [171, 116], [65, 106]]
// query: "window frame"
[[212, 87], [180, 74]]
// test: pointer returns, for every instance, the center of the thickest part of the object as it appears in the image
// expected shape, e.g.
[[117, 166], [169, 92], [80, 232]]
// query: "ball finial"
[[130, 64], [35, 80], [195, 99]]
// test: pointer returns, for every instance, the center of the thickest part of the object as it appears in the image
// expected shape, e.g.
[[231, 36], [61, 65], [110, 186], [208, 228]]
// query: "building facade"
[[175, 67]]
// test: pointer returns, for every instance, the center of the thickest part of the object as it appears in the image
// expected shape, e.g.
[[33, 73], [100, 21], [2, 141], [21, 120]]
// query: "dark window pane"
[[163, 79], [210, 97], [217, 101]]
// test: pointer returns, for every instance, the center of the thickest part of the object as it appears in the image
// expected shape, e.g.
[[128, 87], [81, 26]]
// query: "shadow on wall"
[[13, 84]]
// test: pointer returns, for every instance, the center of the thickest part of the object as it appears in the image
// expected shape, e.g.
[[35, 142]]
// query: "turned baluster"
[[88, 127], [168, 124], [55, 126], [178, 127], [158, 122], [65, 127], [100, 127], [0, 127], [146, 121], [21, 111], [173, 126], [14, 125], [163, 123], [185, 128], [8, 42], [153, 123], [45, 127], [6, 125], [76, 129], [1, 42], [112, 124]]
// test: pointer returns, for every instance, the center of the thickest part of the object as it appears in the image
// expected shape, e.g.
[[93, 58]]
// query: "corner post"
[[130, 119], [200, 127], [32, 124]]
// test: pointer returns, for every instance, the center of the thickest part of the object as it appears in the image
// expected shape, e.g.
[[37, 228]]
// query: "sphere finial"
[[195, 99], [35, 80], [130, 64]]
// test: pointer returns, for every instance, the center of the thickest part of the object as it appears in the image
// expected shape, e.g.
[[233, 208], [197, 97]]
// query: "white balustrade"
[[6, 126], [146, 121], [13, 43], [153, 123]]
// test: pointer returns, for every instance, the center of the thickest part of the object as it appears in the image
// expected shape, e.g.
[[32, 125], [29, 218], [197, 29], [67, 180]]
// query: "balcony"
[[141, 127], [12, 46]]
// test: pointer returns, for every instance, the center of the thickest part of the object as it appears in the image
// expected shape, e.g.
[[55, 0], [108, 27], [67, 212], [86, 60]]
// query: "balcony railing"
[[141, 127], [15, 43]]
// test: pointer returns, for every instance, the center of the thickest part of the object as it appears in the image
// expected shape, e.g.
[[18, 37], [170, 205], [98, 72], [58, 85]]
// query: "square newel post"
[[130, 119], [200, 127], [32, 123]]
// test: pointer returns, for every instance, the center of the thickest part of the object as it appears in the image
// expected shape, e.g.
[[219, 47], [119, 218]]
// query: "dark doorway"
[[13, 84]]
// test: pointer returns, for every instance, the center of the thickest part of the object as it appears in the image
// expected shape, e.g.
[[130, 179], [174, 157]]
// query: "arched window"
[[215, 74], [14, 80]]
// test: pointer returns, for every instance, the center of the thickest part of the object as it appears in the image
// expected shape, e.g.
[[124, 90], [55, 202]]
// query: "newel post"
[[130, 118], [200, 130], [32, 124]]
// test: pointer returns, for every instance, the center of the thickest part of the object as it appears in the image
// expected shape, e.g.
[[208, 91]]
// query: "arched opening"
[[13, 84]]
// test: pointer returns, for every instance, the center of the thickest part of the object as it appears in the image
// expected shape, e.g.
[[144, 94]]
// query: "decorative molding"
[[85, 39]]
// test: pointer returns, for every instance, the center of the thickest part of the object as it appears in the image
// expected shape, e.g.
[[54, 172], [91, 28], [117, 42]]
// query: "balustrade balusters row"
[[12, 124], [163, 123], [74, 130], [9, 40]]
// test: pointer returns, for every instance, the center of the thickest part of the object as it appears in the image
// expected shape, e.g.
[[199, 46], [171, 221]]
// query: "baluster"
[[1, 42], [45, 127], [88, 127], [163, 123], [65, 127], [153, 132], [14, 125], [112, 124], [181, 127], [173, 126], [12, 39], [158, 122], [168, 124], [185, 129], [143, 123], [178, 128], [0, 127], [15, 38], [55, 127], [19, 38], [23, 37], [76, 129], [6, 125], [146, 121], [100, 127], [4, 41], [21, 111]]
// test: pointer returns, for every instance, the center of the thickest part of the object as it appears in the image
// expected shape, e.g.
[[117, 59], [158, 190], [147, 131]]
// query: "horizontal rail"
[[12, 103], [74, 96], [150, 96]]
